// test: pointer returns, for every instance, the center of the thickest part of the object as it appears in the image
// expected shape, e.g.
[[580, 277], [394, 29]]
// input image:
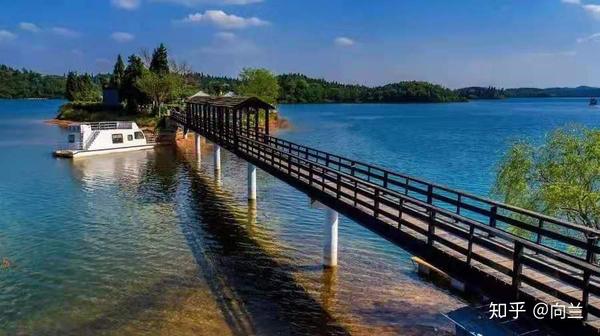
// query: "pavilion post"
[[234, 128], [256, 117], [267, 125]]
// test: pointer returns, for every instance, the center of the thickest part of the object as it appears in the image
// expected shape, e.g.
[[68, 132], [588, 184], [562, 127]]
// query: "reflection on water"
[[155, 243]]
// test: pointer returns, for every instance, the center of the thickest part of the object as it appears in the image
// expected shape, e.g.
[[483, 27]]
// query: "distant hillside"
[[495, 93], [29, 84], [298, 88]]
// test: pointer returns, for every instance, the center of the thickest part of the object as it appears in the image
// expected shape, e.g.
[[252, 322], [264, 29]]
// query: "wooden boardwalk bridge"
[[508, 253]]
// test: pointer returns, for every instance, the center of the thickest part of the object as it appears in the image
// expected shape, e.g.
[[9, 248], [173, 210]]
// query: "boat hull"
[[84, 153]]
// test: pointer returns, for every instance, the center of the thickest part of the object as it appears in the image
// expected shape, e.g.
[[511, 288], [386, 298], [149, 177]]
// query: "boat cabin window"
[[129, 137], [117, 138], [71, 138], [139, 135]]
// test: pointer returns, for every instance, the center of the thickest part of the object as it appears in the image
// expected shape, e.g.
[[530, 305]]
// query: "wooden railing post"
[[492, 220], [385, 179], [431, 228], [339, 186], [517, 268], [429, 194], [400, 208], [539, 235], [470, 246], [589, 258], [376, 203]]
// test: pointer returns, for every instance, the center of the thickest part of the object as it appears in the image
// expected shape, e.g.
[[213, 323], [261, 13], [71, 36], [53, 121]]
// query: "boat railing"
[[110, 125]]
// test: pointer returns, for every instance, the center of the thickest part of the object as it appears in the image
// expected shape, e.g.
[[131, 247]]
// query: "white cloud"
[[122, 37], [30, 27], [223, 20], [126, 4], [343, 41], [65, 32], [6, 36], [594, 10], [588, 38], [572, 2]]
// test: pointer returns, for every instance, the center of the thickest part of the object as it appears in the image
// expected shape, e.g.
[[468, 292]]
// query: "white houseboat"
[[103, 137]]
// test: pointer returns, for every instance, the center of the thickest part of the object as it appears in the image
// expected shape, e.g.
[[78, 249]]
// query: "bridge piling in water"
[[198, 146], [330, 248], [217, 157], [251, 182]]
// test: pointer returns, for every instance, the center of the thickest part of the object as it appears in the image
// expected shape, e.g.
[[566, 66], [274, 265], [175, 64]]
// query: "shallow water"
[[153, 243]]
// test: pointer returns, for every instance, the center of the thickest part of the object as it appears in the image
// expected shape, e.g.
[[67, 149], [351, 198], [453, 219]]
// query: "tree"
[[131, 93], [71, 86], [81, 88], [559, 178], [160, 88], [260, 83], [160, 60], [118, 73]]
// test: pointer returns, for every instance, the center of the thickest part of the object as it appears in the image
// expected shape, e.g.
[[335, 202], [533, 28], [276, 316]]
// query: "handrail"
[[463, 194], [459, 218]]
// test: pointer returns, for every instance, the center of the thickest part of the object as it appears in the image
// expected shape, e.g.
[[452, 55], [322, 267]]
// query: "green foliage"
[[160, 87], [560, 178], [118, 74], [130, 92], [260, 83], [297, 88], [81, 88], [476, 92], [28, 84], [92, 112], [160, 60]]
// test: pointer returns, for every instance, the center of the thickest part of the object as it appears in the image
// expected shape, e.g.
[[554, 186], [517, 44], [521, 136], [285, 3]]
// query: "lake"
[[154, 243]]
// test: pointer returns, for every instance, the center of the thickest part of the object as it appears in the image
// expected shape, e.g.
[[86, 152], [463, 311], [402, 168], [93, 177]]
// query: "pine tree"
[[71, 86], [118, 73], [131, 94], [160, 61]]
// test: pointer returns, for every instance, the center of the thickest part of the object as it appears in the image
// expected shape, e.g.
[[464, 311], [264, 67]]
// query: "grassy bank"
[[94, 112]]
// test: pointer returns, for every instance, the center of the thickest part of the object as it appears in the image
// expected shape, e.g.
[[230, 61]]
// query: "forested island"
[[477, 92]]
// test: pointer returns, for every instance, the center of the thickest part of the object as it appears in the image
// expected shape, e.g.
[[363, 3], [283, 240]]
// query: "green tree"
[[133, 96], [559, 178], [71, 86], [160, 60], [116, 79], [261, 83], [81, 88], [160, 88]]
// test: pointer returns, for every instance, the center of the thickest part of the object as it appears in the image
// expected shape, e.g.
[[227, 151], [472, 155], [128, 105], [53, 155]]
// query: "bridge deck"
[[508, 252]]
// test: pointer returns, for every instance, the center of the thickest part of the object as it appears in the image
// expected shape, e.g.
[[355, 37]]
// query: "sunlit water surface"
[[153, 243]]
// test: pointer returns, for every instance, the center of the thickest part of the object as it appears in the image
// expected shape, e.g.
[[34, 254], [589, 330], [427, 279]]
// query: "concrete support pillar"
[[217, 157], [251, 182], [197, 143], [330, 250]]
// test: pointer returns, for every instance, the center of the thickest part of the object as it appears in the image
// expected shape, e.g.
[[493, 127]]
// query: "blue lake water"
[[154, 243]]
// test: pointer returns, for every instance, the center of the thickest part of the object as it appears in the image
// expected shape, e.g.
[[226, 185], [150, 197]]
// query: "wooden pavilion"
[[221, 115]]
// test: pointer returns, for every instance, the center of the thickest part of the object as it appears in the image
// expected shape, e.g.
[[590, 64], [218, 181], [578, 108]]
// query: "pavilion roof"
[[234, 102]]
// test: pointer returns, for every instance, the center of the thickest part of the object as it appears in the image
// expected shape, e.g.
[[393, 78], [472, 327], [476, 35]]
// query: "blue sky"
[[456, 43]]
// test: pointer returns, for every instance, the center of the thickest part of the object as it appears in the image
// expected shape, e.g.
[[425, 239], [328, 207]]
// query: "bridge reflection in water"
[[471, 238]]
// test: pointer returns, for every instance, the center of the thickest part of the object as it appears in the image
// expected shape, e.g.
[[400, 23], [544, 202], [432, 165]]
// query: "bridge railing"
[[393, 208], [545, 230], [472, 228]]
